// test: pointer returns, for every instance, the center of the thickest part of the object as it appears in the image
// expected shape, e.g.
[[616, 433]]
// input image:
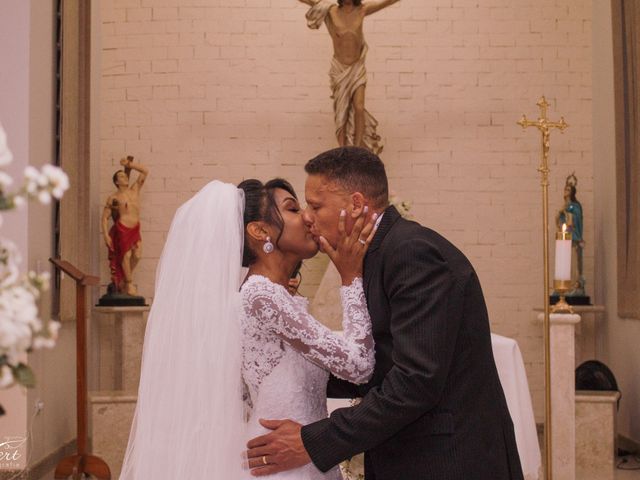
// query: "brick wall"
[[205, 89]]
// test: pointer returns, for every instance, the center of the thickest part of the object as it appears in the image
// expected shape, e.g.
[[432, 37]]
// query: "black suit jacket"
[[434, 408]]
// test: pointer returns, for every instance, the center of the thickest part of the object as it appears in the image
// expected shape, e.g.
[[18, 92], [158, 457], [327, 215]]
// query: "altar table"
[[516, 389]]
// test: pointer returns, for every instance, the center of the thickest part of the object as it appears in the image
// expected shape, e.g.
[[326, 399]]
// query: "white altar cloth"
[[516, 389]]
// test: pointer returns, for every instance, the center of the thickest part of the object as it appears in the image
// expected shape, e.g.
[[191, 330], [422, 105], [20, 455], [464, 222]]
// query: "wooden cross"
[[545, 126]]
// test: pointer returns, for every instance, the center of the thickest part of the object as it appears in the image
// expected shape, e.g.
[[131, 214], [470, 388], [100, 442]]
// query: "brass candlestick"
[[545, 127], [562, 287]]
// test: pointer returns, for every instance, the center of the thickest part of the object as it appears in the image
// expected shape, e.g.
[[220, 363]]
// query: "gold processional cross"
[[545, 126]]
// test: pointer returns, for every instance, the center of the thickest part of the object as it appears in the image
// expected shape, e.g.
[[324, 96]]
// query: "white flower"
[[5, 180], [44, 279], [21, 329], [6, 376], [58, 180], [9, 260], [19, 201], [43, 342], [32, 180], [6, 157], [31, 173], [54, 328], [56, 176], [39, 280], [42, 181], [51, 182], [44, 197]]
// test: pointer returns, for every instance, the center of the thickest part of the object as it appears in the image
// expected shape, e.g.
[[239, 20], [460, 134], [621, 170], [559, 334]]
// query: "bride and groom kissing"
[[236, 372]]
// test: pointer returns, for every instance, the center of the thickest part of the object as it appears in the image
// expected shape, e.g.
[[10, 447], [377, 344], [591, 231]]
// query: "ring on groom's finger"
[[363, 242], [264, 460]]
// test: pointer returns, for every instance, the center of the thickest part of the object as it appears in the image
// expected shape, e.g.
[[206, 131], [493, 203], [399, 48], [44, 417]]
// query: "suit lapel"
[[372, 259]]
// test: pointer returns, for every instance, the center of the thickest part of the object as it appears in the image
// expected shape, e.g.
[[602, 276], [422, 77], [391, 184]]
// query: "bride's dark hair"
[[260, 205]]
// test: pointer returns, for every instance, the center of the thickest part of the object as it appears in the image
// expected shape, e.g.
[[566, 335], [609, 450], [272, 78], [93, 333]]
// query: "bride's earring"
[[268, 246]]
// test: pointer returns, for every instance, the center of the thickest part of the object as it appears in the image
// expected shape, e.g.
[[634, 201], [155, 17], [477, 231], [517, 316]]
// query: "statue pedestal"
[[120, 340], [596, 434], [587, 332], [563, 394], [110, 417]]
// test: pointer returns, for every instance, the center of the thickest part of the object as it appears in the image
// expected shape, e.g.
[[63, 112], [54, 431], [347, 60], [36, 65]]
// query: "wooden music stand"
[[81, 464]]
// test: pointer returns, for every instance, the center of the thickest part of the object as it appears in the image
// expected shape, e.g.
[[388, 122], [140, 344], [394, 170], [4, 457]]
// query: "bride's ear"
[[257, 231], [357, 204]]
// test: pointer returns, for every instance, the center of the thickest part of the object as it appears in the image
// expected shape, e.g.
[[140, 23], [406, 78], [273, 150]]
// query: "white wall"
[[14, 115], [27, 96], [201, 90], [620, 342], [54, 369]]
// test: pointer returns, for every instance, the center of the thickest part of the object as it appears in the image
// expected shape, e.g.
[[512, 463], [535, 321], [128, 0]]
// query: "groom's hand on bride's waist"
[[278, 451]]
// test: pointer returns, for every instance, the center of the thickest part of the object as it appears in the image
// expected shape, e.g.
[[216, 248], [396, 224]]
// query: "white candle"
[[563, 255]]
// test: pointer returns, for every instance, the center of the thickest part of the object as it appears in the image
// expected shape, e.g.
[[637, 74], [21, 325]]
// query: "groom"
[[434, 408]]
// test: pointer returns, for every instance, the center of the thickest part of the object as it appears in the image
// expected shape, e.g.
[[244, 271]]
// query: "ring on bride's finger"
[[362, 241], [264, 460]]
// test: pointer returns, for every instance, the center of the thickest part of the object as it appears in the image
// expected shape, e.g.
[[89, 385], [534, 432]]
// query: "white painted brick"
[[202, 89], [138, 14]]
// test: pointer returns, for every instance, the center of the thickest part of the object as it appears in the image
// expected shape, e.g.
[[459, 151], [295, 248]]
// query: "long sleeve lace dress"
[[288, 355]]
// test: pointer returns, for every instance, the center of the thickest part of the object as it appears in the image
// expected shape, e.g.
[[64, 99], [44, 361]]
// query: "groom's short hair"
[[354, 169]]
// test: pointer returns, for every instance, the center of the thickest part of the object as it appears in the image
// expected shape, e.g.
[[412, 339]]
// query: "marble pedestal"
[[596, 434], [563, 364], [119, 351], [110, 418]]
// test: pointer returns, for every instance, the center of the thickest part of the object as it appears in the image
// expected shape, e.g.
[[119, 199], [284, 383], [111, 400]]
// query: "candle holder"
[[562, 287]]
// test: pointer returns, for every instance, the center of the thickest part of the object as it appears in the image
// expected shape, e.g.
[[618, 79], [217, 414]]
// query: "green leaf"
[[24, 375]]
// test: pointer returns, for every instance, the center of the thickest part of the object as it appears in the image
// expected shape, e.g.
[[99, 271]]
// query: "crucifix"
[[545, 127]]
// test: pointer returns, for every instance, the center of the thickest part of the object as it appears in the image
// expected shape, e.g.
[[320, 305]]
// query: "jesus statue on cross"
[[348, 74]]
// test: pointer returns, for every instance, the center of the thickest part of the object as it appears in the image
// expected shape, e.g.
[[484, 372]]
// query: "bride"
[[220, 354]]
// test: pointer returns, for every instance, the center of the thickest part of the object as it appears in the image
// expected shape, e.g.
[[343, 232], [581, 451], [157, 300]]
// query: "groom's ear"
[[357, 204]]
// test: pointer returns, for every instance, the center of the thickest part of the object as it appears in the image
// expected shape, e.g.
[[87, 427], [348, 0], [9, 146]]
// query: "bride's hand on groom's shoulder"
[[349, 252]]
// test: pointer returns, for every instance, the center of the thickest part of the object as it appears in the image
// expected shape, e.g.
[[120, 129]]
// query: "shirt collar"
[[379, 220]]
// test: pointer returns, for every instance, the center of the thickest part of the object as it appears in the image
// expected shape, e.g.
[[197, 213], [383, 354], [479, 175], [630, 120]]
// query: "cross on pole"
[[545, 127]]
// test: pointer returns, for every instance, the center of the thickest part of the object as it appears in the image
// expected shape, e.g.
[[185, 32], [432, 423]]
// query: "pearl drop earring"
[[268, 246]]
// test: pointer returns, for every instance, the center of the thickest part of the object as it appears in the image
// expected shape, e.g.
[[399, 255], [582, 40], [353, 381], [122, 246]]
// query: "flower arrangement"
[[353, 469], [21, 329], [403, 206]]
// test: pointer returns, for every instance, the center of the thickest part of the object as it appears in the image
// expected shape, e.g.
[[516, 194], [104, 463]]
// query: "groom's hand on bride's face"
[[278, 451]]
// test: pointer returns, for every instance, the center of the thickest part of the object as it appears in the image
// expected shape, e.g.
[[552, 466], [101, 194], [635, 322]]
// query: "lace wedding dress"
[[288, 354]]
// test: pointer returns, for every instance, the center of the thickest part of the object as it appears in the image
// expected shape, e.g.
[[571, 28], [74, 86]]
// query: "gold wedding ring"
[[264, 460]]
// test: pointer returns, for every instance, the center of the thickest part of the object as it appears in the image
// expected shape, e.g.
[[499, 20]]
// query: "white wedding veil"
[[189, 422]]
